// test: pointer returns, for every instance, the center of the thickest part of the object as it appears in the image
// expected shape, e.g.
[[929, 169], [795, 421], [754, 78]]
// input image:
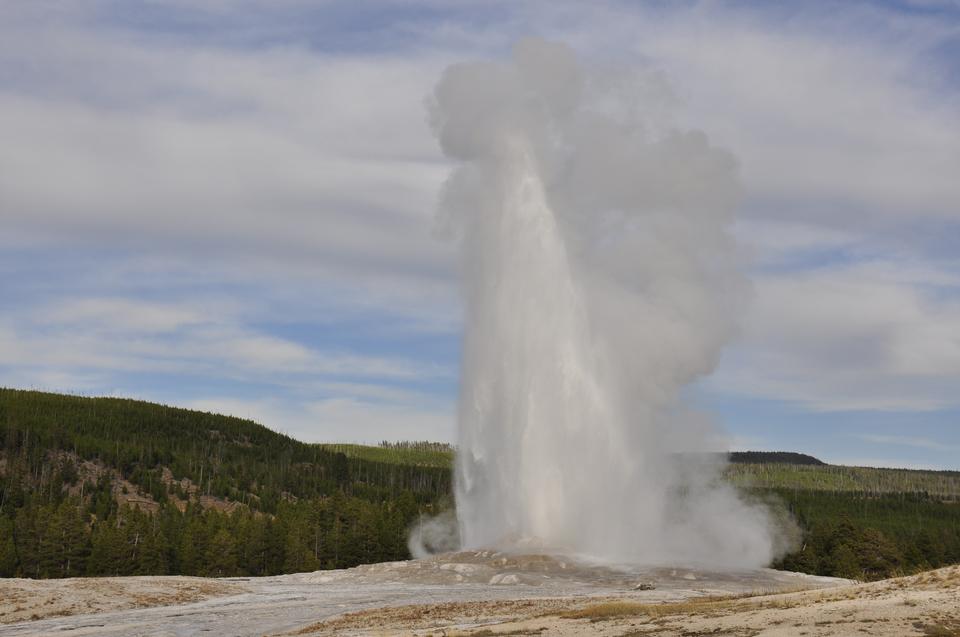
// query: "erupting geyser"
[[600, 279]]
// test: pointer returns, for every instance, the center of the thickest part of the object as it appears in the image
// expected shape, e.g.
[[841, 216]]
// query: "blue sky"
[[230, 205]]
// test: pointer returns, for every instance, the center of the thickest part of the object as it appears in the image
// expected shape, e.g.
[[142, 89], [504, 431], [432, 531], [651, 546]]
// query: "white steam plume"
[[600, 279]]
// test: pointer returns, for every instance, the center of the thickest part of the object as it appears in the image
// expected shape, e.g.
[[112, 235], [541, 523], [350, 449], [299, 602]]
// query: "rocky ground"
[[483, 594], [928, 604], [23, 600]]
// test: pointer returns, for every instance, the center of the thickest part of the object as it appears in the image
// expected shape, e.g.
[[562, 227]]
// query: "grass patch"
[[422, 456], [488, 632], [616, 610], [710, 605]]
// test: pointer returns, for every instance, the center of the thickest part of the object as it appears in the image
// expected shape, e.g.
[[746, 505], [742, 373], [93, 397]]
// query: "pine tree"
[[29, 525], [107, 553], [8, 549], [153, 554], [252, 546], [298, 557], [274, 557], [843, 562], [221, 556], [193, 547], [51, 556], [75, 537]]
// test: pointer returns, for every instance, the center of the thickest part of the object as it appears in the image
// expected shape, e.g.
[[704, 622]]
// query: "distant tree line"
[[73, 537], [860, 537], [774, 457], [862, 482], [282, 506]]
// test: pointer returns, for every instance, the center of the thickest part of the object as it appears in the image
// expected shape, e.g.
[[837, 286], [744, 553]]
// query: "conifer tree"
[[8, 549], [221, 555], [74, 538], [153, 554]]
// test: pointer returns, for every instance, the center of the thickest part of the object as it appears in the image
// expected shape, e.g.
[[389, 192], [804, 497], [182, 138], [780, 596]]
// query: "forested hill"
[[221, 456], [104, 486], [773, 457], [96, 486]]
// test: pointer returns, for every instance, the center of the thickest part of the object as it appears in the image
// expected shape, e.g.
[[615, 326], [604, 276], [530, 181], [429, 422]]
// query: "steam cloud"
[[600, 279]]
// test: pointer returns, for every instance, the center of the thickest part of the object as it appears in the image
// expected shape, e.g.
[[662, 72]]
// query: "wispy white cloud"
[[748, 443], [122, 314], [821, 119], [908, 441], [128, 335], [345, 418], [292, 183], [883, 463], [881, 335], [767, 243], [305, 165]]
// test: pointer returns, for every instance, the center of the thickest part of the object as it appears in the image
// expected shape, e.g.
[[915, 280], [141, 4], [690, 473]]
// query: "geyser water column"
[[531, 391], [599, 280]]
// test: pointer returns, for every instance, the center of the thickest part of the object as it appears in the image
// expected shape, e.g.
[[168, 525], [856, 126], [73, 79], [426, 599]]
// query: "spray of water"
[[600, 279]]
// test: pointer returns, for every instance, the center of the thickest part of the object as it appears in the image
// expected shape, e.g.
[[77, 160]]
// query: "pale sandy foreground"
[[485, 594]]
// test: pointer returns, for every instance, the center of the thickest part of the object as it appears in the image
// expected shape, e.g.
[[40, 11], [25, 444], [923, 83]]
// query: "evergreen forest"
[[108, 486]]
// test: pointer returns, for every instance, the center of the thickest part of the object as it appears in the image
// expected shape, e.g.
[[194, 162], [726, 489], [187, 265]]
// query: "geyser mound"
[[562, 575], [600, 279]]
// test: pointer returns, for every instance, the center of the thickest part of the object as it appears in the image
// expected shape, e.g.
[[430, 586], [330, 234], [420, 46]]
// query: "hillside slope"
[[106, 486], [225, 456]]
